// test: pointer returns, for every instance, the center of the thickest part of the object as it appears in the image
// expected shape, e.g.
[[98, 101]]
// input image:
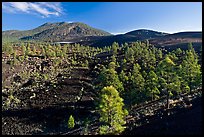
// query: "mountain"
[[132, 36], [60, 31], [158, 39], [86, 35], [19, 34], [146, 34]]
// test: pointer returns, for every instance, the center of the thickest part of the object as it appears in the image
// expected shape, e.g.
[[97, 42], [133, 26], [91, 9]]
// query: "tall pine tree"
[[112, 113]]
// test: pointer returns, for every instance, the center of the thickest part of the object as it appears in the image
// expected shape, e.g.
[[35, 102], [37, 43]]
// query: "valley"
[[133, 83]]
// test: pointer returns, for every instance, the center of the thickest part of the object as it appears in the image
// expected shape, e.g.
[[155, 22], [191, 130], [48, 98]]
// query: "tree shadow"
[[52, 118]]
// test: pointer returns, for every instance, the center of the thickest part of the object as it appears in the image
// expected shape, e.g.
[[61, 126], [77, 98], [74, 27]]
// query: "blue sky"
[[114, 17]]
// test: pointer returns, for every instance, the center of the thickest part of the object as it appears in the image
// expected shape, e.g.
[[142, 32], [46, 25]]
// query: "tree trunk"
[[152, 96], [167, 100], [190, 85]]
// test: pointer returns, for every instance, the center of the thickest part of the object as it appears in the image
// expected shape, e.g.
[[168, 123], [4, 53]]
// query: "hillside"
[[182, 37], [60, 31], [159, 39], [43, 85], [132, 36], [179, 40], [86, 35], [146, 34], [19, 34]]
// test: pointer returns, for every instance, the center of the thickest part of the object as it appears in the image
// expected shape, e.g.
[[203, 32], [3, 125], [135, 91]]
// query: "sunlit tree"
[[112, 112]]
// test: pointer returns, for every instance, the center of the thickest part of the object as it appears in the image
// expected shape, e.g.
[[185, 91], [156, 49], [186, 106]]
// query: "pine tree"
[[158, 55], [123, 77], [112, 113], [145, 56], [115, 47], [111, 65], [124, 64], [129, 55], [138, 80], [34, 50], [178, 52], [86, 63], [113, 59], [28, 51], [43, 51], [191, 72], [151, 63], [14, 58], [175, 85], [7, 48], [23, 50], [166, 70], [109, 77], [137, 85], [64, 50], [71, 123], [152, 85]]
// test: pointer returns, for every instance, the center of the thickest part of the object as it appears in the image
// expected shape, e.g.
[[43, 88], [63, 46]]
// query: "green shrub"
[[71, 123]]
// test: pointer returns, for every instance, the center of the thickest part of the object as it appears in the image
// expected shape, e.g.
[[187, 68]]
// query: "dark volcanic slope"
[[186, 122], [136, 35], [182, 37], [179, 40], [158, 39]]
